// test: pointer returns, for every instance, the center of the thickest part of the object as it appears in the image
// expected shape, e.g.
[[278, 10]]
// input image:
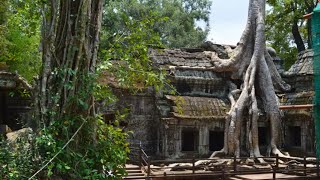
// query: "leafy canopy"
[[20, 36], [282, 15], [178, 30]]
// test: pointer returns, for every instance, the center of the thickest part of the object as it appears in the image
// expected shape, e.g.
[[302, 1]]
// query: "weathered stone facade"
[[191, 122], [298, 124], [15, 102]]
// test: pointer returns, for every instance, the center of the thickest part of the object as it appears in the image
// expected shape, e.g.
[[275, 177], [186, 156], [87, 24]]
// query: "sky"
[[227, 21]]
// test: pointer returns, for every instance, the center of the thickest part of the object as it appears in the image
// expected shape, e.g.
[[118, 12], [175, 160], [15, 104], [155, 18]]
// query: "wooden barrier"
[[222, 172]]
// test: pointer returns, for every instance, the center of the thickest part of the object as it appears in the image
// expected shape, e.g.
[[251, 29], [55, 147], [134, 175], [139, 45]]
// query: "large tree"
[[70, 38], [251, 63], [80, 144], [69, 85]]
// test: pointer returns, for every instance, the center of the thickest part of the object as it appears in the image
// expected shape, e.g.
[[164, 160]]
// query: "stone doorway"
[[216, 139], [190, 140]]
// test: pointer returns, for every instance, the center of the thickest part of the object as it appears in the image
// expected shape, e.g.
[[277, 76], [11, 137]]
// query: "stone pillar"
[[304, 136], [178, 140], [204, 140], [165, 143]]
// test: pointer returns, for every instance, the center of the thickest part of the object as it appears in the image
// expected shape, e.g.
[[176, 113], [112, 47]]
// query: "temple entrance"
[[294, 136], [14, 108], [216, 139], [190, 140], [262, 136], [3, 107]]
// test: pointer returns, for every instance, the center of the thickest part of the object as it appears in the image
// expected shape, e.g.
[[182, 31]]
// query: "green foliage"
[[84, 158], [177, 31], [20, 38], [127, 58], [98, 150], [3, 29], [75, 145], [20, 159], [3, 11], [279, 20]]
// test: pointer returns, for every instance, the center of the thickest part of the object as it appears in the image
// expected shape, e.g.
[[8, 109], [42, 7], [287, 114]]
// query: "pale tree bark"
[[70, 37], [251, 63]]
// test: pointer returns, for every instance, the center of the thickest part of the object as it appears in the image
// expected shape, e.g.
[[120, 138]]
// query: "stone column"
[[304, 136], [178, 140], [203, 140]]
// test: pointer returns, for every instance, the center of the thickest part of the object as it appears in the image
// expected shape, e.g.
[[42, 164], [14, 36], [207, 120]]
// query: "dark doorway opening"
[[294, 136], [14, 109], [3, 107], [190, 140], [216, 140], [262, 136]]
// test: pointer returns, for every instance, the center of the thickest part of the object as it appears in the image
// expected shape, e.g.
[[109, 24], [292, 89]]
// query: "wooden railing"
[[144, 161], [222, 171]]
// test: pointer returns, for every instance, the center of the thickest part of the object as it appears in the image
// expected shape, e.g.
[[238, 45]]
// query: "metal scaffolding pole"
[[316, 70]]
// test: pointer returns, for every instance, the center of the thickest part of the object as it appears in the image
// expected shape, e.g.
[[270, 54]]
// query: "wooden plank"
[[302, 106]]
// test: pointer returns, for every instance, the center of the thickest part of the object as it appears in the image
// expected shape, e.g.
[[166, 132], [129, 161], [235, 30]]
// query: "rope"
[[57, 152]]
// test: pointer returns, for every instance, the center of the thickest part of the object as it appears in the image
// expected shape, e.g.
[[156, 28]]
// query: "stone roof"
[[9, 80], [179, 57], [191, 70], [297, 98], [188, 107], [304, 64], [188, 57]]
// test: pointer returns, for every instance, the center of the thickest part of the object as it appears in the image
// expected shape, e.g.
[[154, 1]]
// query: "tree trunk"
[[297, 37], [309, 33], [70, 37], [251, 63]]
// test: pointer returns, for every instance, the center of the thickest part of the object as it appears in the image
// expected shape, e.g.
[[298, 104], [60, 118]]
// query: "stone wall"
[[299, 121], [191, 122], [172, 141], [15, 102]]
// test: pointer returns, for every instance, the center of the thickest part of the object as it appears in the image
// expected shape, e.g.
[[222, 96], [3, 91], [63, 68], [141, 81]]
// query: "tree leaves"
[[179, 28], [20, 37], [279, 21]]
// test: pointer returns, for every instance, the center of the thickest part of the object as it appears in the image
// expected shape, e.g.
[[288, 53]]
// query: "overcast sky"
[[227, 20]]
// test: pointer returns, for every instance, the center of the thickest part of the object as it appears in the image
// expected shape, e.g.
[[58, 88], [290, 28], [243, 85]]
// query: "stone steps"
[[134, 172]]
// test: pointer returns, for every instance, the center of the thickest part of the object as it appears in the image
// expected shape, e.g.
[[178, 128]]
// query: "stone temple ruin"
[[298, 124], [15, 102], [191, 122]]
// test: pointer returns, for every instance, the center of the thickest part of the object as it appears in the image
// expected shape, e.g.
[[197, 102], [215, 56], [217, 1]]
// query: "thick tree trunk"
[[297, 37], [70, 36], [251, 63]]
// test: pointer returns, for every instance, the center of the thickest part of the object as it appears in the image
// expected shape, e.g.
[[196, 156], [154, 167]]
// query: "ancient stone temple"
[[298, 124], [15, 101], [191, 121]]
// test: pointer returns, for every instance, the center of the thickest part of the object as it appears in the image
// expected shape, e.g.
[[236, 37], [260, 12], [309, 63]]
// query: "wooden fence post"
[[317, 167], [223, 175], [305, 165], [149, 162], [234, 163], [275, 167], [277, 161], [193, 168], [140, 155]]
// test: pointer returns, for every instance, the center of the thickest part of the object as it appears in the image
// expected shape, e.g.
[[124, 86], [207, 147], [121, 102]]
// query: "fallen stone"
[[13, 136]]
